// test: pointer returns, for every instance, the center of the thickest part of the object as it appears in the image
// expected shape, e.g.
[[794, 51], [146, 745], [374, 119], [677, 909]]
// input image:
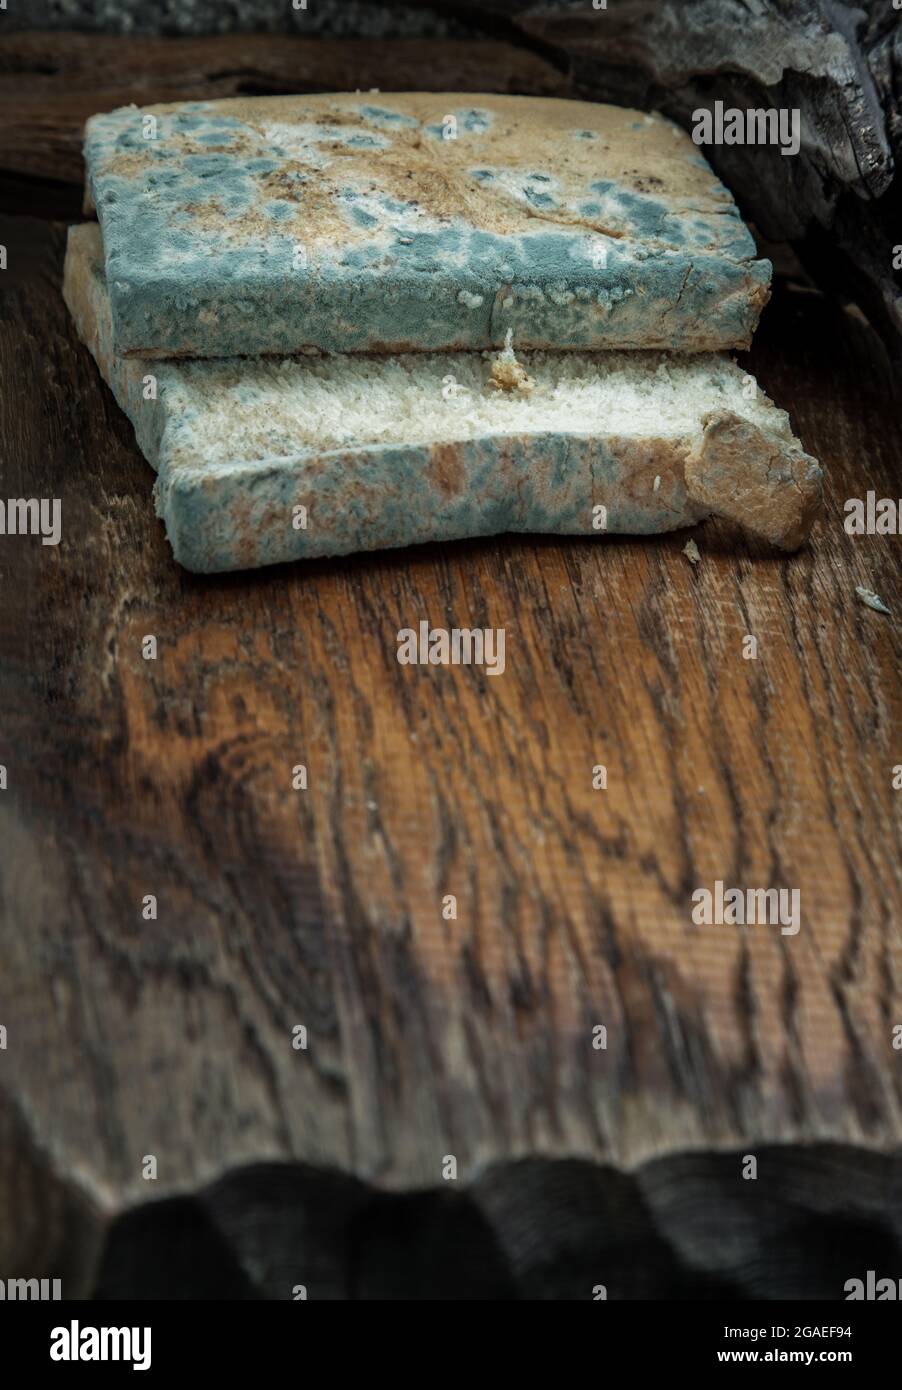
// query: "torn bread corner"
[[763, 481], [507, 373]]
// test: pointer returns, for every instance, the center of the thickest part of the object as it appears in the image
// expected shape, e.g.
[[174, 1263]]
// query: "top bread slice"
[[414, 222]]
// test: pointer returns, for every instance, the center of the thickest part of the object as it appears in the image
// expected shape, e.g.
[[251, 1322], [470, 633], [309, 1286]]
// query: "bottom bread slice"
[[261, 461]]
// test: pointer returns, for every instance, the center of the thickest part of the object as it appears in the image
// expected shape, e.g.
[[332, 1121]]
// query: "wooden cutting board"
[[429, 1036]]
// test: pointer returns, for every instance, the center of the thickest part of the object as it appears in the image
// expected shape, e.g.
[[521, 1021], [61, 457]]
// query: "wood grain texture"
[[426, 1037], [323, 907], [50, 83]]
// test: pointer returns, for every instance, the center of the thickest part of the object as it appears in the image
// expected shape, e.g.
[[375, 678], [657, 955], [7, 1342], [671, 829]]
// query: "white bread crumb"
[[507, 373]]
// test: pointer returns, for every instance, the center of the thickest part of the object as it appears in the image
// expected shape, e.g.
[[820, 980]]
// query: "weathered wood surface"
[[323, 907], [429, 1038]]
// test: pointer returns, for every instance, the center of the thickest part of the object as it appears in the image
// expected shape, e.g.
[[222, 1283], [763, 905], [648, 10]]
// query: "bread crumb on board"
[[507, 373], [872, 600]]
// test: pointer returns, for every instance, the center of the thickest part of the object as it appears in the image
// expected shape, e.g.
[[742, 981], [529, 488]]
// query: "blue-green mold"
[[335, 223]]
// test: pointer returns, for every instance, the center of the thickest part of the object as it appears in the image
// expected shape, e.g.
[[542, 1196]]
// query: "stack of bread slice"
[[350, 322]]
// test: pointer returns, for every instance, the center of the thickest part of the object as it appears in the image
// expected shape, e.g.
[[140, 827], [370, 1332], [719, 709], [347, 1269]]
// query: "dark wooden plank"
[[427, 1037]]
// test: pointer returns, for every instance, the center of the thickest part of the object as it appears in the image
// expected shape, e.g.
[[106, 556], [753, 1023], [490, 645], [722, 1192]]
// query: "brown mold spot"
[[446, 471], [206, 213], [130, 165]]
